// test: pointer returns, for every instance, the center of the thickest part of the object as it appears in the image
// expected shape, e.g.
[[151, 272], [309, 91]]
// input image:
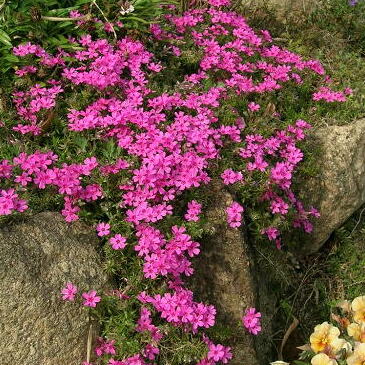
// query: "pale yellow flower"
[[357, 331], [323, 359], [358, 357], [323, 337], [358, 308], [337, 345]]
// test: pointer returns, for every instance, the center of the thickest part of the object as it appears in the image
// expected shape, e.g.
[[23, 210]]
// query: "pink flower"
[[5, 169], [150, 352], [26, 70], [90, 299], [348, 91], [109, 347], [219, 353], [23, 179], [118, 242], [278, 243], [69, 292], [266, 35], [103, 229], [279, 206], [314, 212], [9, 202], [253, 107], [234, 216], [271, 232], [105, 347], [116, 362], [194, 209], [176, 51], [251, 321], [328, 95], [108, 27], [230, 177], [219, 2]]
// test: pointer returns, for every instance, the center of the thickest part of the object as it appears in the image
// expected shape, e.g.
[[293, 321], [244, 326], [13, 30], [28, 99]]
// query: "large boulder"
[[224, 276], [38, 256], [338, 190]]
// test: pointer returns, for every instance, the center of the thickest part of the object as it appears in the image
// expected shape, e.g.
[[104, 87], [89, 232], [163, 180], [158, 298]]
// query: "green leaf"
[[11, 58], [64, 24], [138, 19], [82, 2], [5, 39]]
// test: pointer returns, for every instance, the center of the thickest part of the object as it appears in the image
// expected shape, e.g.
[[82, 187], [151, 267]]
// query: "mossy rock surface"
[[38, 256], [338, 189]]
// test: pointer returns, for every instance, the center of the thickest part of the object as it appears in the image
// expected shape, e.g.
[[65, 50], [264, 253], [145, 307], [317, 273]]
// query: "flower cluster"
[[330, 96], [32, 104], [216, 353], [38, 169], [326, 347], [91, 299], [230, 177], [9, 202], [180, 310]]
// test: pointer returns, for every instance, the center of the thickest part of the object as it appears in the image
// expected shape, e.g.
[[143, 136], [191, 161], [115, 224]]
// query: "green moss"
[[346, 261]]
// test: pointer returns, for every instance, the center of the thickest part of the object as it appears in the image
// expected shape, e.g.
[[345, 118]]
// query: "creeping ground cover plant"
[[124, 133]]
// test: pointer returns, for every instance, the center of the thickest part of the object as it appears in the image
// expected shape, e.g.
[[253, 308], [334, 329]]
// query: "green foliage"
[[181, 348], [298, 362], [221, 333], [22, 21], [347, 22], [145, 12], [48, 23], [347, 258]]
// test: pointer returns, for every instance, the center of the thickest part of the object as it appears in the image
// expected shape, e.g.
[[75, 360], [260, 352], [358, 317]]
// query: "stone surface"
[[284, 7], [38, 256], [224, 278], [339, 189]]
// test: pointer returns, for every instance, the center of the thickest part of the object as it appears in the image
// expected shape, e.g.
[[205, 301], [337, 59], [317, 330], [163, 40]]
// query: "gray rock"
[[38, 256], [224, 277], [339, 189]]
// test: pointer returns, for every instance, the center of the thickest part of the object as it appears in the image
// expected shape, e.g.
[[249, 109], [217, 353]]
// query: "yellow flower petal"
[[354, 331], [323, 336], [339, 344], [323, 359], [358, 304], [358, 357], [358, 308]]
